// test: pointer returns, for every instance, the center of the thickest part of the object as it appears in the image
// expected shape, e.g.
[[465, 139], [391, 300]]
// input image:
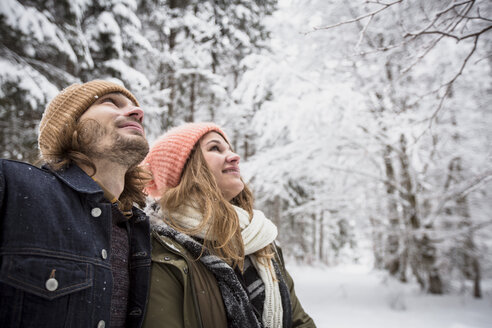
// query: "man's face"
[[112, 128]]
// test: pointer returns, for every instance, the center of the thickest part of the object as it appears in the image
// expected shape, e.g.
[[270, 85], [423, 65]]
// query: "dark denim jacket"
[[58, 225]]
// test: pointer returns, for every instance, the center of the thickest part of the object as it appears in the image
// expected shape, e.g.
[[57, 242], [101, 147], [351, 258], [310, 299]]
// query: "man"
[[74, 252]]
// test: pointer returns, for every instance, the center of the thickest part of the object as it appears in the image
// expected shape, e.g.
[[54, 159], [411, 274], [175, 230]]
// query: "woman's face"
[[223, 163]]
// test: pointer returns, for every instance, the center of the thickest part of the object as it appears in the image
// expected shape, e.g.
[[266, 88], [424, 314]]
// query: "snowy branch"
[[459, 233], [358, 19], [461, 190], [368, 175], [448, 85], [456, 37]]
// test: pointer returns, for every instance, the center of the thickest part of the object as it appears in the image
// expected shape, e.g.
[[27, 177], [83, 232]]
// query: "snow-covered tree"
[[371, 114], [47, 45], [179, 57]]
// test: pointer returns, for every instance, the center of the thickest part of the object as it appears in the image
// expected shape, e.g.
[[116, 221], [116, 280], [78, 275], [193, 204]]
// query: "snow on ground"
[[352, 296]]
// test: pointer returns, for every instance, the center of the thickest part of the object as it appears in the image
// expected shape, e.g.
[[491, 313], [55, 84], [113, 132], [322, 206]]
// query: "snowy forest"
[[364, 127]]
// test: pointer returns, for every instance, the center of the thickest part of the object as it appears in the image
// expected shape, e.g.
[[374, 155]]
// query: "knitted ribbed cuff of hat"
[[167, 157], [66, 108]]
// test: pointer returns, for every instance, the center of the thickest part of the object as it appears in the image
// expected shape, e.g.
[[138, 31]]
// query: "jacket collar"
[[77, 179]]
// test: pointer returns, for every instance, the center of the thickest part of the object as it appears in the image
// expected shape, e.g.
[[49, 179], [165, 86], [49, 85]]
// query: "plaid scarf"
[[240, 312]]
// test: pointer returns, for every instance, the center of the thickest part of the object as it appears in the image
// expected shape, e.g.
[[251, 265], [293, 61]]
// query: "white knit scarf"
[[256, 234]]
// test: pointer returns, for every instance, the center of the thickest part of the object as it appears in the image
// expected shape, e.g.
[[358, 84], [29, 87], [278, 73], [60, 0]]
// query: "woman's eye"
[[214, 148]]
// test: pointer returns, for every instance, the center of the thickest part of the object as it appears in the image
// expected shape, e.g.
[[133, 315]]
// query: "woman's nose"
[[136, 112], [233, 157]]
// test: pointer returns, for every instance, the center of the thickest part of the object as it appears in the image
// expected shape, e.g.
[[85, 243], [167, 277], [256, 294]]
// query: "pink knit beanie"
[[168, 155]]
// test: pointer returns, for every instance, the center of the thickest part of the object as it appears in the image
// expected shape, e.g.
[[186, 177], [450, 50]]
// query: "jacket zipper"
[[193, 290]]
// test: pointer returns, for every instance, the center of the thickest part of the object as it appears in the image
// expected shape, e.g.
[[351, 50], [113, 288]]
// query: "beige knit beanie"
[[66, 108], [168, 155]]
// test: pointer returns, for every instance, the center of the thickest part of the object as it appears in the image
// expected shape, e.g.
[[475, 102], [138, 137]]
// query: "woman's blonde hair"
[[223, 237]]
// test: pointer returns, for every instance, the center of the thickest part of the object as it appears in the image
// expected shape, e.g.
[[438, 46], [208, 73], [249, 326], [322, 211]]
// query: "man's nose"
[[135, 112]]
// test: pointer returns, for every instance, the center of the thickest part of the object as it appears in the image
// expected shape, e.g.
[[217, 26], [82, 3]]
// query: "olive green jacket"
[[184, 294]]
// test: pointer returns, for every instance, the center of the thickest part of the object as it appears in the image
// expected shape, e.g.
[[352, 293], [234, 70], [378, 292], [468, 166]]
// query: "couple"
[[76, 252]]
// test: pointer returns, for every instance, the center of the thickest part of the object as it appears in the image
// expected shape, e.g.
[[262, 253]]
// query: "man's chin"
[[131, 132], [128, 149], [133, 143]]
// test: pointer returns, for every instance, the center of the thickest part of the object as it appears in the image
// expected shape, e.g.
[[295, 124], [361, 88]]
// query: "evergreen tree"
[[179, 57]]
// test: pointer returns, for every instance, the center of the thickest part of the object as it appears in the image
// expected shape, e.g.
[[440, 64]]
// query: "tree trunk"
[[435, 283], [469, 263], [428, 252], [377, 243], [392, 260], [477, 289], [321, 239], [314, 244], [191, 113]]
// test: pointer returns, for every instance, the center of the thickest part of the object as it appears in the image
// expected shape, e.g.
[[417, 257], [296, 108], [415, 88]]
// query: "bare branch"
[[453, 6], [461, 16], [382, 139], [442, 24], [469, 230], [363, 32], [483, 58], [462, 190], [476, 34], [368, 175], [479, 16], [371, 14], [449, 84], [432, 32], [457, 38], [381, 49], [421, 56], [438, 15]]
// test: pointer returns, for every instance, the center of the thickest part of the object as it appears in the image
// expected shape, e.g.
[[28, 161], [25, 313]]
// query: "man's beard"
[[123, 150]]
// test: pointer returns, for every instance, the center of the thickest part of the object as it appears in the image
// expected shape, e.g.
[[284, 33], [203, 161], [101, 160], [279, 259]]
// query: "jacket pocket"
[[46, 277]]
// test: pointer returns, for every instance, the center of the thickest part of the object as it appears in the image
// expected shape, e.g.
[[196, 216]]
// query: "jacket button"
[[185, 270], [136, 311], [51, 284], [104, 254], [96, 212], [166, 258], [140, 254], [101, 324]]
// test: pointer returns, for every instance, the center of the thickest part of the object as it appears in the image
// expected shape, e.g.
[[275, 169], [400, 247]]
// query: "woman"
[[214, 263]]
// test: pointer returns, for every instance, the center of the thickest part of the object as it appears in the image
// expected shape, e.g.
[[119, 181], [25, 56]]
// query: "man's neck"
[[108, 174]]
